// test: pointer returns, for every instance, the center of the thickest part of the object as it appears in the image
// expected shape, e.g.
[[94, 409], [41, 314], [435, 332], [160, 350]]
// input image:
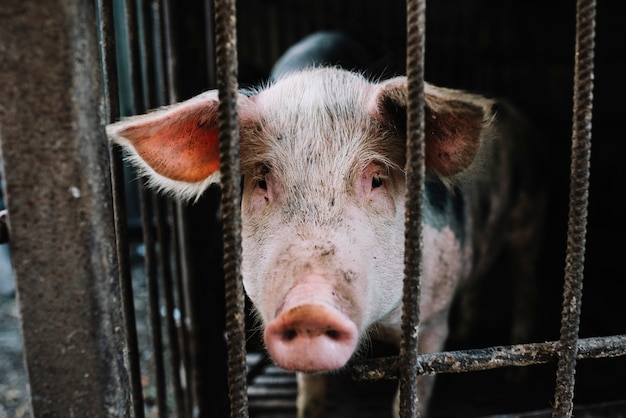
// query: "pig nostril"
[[289, 334], [333, 334]]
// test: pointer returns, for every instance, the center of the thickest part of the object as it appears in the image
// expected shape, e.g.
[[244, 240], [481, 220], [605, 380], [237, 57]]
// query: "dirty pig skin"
[[323, 206]]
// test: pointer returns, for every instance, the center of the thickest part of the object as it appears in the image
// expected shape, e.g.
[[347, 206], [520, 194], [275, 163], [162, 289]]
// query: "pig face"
[[322, 156]]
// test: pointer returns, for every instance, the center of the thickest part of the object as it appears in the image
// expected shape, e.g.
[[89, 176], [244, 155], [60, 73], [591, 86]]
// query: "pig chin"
[[311, 334]]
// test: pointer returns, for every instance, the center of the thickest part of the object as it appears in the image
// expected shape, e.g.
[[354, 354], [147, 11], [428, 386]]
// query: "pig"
[[323, 153]]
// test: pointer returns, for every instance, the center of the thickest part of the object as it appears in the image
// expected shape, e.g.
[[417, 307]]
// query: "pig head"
[[322, 159]]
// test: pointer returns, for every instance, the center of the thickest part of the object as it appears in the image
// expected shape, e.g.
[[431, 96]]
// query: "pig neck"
[[446, 207]]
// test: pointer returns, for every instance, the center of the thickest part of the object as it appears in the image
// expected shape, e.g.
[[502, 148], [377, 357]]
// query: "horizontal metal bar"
[[489, 358]]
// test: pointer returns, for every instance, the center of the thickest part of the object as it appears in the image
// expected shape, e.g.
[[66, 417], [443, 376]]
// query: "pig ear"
[[453, 122], [176, 147]]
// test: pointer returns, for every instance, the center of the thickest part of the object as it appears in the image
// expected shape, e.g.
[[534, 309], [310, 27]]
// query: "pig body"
[[322, 158]]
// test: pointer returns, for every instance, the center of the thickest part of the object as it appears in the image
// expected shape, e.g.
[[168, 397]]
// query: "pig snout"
[[310, 333]]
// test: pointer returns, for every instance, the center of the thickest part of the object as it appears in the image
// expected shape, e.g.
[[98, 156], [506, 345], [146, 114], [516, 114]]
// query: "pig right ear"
[[176, 147]]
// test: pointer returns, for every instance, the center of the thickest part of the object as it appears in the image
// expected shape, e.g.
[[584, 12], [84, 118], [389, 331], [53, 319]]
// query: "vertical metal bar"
[[169, 54], [200, 247], [154, 73], [579, 194], [111, 100], [179, 342], [165, 243], [184, 366], [174, 306], [165, 90], [210, 36], [139, 100], [150, 261], [58, 184], [414, 204], [226, 54]]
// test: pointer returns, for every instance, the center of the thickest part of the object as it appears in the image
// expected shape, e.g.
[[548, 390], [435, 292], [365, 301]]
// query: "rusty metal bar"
[[579, 196], [490, 358], [415, 168], [55, 155], [226, 58]]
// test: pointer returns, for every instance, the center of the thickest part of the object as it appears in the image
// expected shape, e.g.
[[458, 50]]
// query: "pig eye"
[[377, 181], [262, 183]]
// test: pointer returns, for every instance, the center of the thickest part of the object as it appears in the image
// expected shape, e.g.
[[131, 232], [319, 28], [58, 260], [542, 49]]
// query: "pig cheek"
[[263, 285], [379, 235], [390, 264], [444, 266], [257, 222]]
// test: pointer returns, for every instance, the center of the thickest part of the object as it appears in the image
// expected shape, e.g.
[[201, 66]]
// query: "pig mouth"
[[312, 337]]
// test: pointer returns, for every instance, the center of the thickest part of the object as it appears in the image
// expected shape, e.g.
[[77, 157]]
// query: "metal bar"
[[199, 243], [579, 196], [490, 358], [179, 337], [171, 287], [226, 56], [150, 261], [56, 156], [110, 87], [152, 64], [138, 99], [183, 335], [414, 204], [165, 90], [165, 243]]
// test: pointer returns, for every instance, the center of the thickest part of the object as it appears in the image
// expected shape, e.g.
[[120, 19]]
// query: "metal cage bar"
[[226, 58], [110, 88], [413, 244], [579, 196]]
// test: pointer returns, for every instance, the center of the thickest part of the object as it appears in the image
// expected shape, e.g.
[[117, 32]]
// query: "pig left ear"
[[453, 122]]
